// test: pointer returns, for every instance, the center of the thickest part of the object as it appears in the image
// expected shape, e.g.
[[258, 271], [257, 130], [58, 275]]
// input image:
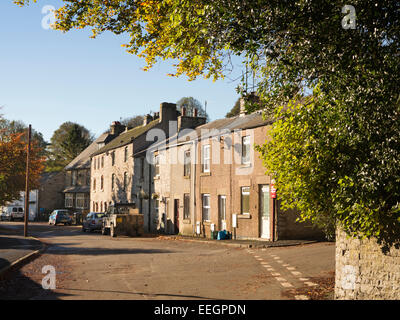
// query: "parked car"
[[12, 213], [93, 221], [60, 216]]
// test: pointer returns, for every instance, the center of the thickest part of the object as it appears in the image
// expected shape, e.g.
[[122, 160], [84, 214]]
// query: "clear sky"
[[47, 77]]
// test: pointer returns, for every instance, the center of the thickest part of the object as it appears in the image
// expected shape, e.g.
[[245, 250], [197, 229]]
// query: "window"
[[102, 161], [113, 182], [186, 206], [205, 157], [94, 184], [245, 200], [102, 183], [112, 158], [246, 150], [187, 164], [69, 200], [141, 168], [81, 201], [88, 177], [157, 165], [74, 178], [125, 180], [206, 207], [126, 154], [222, 207]]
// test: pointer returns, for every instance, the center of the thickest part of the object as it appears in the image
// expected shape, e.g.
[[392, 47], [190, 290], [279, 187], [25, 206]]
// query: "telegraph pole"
[[27, 182]]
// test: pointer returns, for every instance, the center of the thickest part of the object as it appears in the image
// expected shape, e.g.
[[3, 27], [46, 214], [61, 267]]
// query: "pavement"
[[14, 247], [243, 243], [96, 267]]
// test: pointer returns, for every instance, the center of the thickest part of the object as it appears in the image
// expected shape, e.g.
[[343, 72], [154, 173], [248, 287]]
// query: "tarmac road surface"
[[92, 266]]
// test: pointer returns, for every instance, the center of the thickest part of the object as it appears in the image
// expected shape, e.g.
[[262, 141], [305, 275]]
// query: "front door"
[[221, 212], [264, 211], [176, 216]]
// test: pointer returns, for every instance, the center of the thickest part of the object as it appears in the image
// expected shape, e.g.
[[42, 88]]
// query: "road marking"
[[304, 279], [291, 268], [286, 284], [270, 269], [310, 284], [296, 273], [276, 258], [280, 279], [279, 261], [275, 274], [302, 297]]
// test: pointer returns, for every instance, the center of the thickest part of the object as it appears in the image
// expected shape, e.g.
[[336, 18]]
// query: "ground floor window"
[[206, 207], [69, 200], [82, 201], [186, 206]]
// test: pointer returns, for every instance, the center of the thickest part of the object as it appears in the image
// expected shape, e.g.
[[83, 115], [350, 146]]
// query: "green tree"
[[190, 104], [235, 110], [291, 46], [132, 122], [67, 142]]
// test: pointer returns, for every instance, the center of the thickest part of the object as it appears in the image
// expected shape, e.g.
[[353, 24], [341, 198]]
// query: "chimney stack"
[[116, 128], [147, 119]]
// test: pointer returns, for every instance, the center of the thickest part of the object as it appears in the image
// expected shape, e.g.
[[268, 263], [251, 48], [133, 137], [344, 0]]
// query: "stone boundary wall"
[[364, 271]]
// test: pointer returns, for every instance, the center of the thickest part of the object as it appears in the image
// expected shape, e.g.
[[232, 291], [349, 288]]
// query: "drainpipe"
[[194, 144], [149, 204]]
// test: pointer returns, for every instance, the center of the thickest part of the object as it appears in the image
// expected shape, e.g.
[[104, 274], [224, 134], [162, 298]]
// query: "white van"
[[13, 213]]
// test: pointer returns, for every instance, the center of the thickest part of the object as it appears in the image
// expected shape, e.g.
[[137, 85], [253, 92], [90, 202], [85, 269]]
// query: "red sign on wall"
[[273, 191]]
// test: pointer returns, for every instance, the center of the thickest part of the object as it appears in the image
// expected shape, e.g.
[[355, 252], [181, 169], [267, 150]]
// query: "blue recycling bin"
[[222, 235]]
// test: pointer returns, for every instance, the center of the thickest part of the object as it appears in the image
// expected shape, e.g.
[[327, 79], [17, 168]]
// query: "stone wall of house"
[[365, 271], [50, 193]]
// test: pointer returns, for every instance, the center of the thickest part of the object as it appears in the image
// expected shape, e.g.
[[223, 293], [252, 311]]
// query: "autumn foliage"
[[13, 149]]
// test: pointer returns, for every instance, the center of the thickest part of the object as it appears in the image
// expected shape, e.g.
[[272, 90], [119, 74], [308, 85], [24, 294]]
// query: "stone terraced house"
[[120, 171], [212, 179]]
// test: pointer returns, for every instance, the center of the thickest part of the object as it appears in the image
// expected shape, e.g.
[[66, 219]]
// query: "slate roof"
[[82, 161], [127, 137], [243, 122], [77, 189]]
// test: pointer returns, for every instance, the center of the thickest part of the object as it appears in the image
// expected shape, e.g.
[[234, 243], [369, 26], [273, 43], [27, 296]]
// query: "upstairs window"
[[113, 158], [126, 154], [246, 150], [187, 164], [157, 165], [205, 158]]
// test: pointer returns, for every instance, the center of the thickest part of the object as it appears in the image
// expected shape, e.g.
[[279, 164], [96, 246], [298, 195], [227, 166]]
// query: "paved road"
[[92, 266]]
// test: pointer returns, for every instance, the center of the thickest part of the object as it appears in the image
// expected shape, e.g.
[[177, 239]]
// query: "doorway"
[[176, 216], [265, 212]]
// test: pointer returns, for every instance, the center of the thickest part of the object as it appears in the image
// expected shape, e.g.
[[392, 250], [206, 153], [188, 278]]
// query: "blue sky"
[[47, 77]]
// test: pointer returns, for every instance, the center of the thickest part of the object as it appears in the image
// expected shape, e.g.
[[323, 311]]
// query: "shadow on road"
[[15, 285], [143, 294], [66, 249]]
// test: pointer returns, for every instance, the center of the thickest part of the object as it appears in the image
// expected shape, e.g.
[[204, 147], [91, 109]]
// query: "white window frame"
[[81, 201], [206, 158], [69, 200], [246, 145], [243, 192], [205, 208]]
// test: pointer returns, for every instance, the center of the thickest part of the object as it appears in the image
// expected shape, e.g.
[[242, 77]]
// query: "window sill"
[[244, 216], [156, 177], [186, 221], [205, 174], [206, 222], [186, 177]]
